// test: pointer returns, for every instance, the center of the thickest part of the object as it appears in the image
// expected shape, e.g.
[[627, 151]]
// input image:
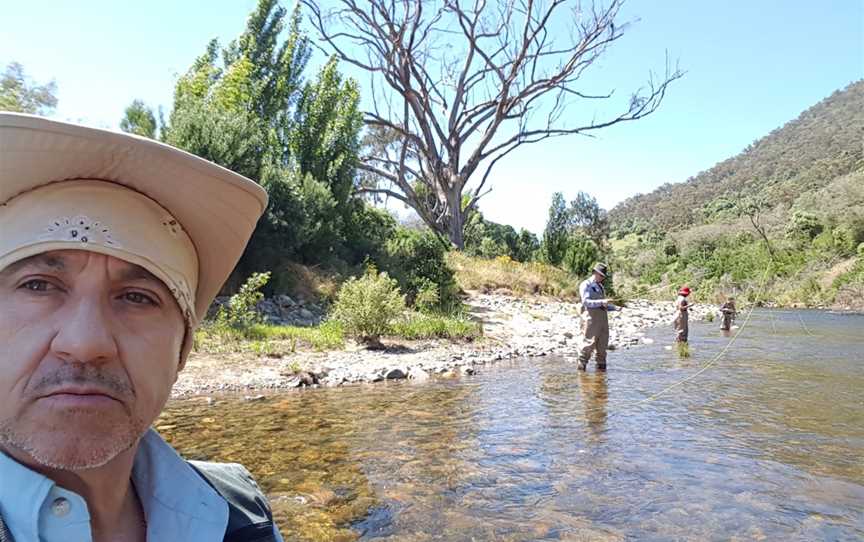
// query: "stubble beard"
[[59, 445]]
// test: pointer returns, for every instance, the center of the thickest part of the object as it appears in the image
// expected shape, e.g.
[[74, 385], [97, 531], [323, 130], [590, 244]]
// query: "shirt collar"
[[177, 502], [22, 493]]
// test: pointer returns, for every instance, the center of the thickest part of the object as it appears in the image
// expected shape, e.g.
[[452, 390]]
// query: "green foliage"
[[847, 237], [435, 326], [557, 231], [239, 312], [266, 339], [798, 160], [232, 139], [576, 235], [327, 146], [791, 204], [366, 229], [428, 299], [139, 120], [247, 107], [416, 260], [21, 95], [586, 217], [581, 255], [803, 225], [719, 208], [367, 306], [490, 240]]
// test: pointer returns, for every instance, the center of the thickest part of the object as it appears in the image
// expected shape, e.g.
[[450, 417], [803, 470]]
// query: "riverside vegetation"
[[789, 207]]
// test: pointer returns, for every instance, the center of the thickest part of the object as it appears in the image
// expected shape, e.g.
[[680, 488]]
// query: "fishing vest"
[[249, 515]]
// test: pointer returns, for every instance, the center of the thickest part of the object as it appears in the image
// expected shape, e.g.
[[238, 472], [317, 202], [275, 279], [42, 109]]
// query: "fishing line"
[[800, 319], [704, 368]]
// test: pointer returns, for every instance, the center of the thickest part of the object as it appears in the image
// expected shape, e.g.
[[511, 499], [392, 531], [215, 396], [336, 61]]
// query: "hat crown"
[[601, 268]]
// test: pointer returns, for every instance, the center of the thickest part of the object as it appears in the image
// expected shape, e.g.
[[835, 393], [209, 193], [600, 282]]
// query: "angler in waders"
[[728, 311], [682, 315], [595, 309]]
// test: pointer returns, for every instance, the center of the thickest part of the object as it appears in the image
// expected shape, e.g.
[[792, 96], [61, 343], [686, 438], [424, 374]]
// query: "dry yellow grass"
[[519, 278]]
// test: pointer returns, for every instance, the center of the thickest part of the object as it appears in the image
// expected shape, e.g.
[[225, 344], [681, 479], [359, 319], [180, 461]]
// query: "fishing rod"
[[704, 368]]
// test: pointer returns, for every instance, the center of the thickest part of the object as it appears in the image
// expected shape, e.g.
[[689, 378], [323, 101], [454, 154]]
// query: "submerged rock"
[[395, 374]]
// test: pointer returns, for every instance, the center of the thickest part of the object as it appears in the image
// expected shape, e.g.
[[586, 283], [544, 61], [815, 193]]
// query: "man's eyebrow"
[[46, 261], [136, 272]]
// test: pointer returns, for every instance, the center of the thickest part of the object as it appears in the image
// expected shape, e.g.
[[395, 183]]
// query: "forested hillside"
[[792, 203], [806, 154]]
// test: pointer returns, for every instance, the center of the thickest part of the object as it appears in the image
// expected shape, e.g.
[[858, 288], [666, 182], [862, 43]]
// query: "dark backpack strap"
[[249, 515]]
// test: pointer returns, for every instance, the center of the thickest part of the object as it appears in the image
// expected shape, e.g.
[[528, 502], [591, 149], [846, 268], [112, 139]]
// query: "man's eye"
[[37, 285], [139, 299]]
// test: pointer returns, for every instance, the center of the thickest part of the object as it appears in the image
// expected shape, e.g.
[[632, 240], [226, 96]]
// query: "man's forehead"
[[60, 260]]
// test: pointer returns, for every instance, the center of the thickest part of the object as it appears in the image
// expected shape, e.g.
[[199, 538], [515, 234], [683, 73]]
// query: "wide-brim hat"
[[218, 209], [601, 268]]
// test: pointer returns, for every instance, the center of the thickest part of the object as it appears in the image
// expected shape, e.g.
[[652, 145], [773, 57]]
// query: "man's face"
[[598, 277], [89, 350]]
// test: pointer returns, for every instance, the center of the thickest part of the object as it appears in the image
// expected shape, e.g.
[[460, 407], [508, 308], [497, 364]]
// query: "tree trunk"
[[456, 218]]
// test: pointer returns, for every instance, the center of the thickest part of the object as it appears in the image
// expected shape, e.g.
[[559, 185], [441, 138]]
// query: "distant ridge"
[[825, 142]]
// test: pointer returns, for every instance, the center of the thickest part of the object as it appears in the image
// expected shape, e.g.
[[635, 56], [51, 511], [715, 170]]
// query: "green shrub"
[[490, 248], [428, 299], [417, 259], [804, 224], [239, 312], [366, 232], [847, 237], [366, 306]]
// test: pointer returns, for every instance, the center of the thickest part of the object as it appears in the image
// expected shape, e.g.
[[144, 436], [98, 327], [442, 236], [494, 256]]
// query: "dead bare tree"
[[753, 207], [455, 88]]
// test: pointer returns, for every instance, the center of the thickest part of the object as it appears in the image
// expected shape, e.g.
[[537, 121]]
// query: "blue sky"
[[751, 66]]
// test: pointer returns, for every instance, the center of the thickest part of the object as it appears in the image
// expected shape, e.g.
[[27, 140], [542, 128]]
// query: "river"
[[766, 444]]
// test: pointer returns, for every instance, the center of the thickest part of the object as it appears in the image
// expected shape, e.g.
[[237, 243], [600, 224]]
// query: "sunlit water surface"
[[767, 444]]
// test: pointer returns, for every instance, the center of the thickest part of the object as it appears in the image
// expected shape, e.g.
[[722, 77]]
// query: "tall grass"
[[531, 278], [435, 326], [268, 339]]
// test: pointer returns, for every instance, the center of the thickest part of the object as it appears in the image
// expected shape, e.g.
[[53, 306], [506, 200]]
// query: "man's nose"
[[84, 334]]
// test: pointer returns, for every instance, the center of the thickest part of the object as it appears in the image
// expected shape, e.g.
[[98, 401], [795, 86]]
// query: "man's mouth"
[[82, 396]]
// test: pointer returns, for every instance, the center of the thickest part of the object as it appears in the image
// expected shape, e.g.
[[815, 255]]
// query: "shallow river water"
[[766, 444]]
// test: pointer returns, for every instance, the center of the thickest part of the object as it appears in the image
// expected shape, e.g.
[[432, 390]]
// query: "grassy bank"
[[274, 340], [502, 273]]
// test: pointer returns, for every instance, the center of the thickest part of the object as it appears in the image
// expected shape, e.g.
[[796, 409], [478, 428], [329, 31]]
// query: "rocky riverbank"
[[513, 327]]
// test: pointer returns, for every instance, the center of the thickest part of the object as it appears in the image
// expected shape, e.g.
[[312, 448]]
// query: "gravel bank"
[[513, 327]]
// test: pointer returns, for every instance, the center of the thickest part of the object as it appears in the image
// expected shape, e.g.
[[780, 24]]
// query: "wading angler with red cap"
[[112, 247]]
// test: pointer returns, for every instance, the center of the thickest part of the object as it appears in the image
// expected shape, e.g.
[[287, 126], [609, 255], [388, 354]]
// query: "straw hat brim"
[[218, 209]]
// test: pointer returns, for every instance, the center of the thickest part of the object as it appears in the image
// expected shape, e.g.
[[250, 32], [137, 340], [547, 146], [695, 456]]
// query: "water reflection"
[[768, 444], [595, 396]]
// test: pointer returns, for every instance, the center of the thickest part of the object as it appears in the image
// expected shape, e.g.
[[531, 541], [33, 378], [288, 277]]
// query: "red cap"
[[685, 291]]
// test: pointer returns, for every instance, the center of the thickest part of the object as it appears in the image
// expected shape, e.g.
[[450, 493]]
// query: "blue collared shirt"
[[177, 502], [592, 294]]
